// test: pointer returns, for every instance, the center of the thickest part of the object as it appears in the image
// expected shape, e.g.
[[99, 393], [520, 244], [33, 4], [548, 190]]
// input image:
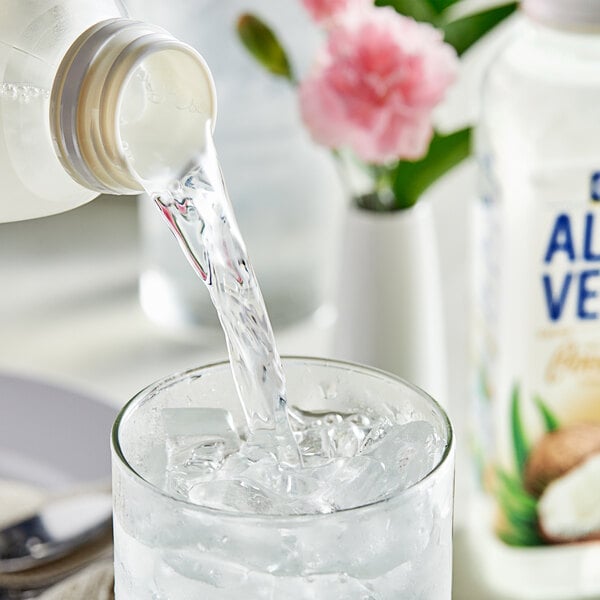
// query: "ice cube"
[[342, 440], [301, 420], [199, 421], [239, 495], [198, 440], [310, 444], [406, 452], [376, 433], [328, 435], [355, 481], [361, 420]]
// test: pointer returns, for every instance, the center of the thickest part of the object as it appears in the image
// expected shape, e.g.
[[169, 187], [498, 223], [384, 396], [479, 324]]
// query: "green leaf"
[[262, 43], [520, 445], [421, 10], [550, 420], [411, 179], [417, 9], [465, 31], [441, 5]]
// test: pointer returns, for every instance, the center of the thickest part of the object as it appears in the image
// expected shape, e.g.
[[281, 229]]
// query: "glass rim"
[[159, 385]]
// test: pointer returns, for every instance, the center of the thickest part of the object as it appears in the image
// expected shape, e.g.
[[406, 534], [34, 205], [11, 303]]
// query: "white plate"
[[52, 436]]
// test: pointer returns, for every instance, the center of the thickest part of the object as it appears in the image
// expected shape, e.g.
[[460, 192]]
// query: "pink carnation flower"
[[375, 85], [322, 11]]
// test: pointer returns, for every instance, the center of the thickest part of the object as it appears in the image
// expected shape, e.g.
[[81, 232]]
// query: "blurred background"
[[100, 299]]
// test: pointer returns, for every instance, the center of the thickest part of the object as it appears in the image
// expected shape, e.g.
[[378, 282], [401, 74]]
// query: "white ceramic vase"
[[390, 312]]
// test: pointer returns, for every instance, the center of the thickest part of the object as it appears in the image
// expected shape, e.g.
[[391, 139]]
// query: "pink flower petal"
[[323, 11], [376, 83]]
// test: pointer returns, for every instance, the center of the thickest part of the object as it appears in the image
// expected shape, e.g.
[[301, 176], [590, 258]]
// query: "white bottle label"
[[537, 355]]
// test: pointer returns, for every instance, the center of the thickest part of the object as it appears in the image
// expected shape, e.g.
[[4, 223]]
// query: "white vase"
[[389, 296]]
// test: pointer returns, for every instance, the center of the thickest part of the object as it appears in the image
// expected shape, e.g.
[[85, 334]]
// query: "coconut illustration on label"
[[554, 496], [563, 473]]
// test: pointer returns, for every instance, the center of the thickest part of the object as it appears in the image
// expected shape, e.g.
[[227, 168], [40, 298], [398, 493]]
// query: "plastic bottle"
[[91, 102], [537, 309]]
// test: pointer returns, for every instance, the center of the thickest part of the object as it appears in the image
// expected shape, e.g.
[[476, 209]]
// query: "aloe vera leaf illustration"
[[516, 513], [517, 520], [520, 521], [520, 445], [550, 420], [520, 537], [513, 487], [519, 509]]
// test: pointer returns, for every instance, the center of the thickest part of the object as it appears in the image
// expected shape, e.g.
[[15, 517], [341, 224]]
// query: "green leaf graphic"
[[520, 445], [550, 420], [520, 511], [515, 489], [519, 537]]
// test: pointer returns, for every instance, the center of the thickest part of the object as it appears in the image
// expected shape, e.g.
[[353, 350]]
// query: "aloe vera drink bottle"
[[536, 310]]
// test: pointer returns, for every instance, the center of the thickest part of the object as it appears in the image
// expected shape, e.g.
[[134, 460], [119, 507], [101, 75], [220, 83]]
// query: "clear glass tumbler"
[[169, 549]]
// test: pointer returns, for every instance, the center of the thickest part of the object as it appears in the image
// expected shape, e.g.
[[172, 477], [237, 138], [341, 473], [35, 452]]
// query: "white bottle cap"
[[565, 14]]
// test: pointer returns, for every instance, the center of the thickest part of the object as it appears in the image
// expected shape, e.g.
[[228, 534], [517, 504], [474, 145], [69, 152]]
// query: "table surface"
[[69, 313]]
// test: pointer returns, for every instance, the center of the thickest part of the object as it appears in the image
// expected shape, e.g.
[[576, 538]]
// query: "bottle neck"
[[570, 15], [129, 103]]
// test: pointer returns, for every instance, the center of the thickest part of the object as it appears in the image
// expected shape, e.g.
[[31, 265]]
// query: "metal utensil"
[[59, 527]]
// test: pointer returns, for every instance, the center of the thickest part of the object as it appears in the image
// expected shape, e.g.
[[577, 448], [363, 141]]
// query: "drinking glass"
[[167, 548]]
